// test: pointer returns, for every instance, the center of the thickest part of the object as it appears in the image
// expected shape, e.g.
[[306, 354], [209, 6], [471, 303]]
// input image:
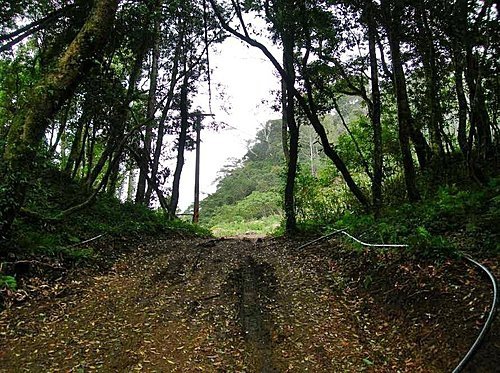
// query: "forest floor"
[[247, 305]]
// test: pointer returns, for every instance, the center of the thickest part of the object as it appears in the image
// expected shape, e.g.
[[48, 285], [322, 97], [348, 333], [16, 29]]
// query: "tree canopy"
[[103, 91]]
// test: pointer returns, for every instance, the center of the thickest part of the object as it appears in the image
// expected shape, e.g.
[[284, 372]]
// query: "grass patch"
[[264, 226], [8, 282]]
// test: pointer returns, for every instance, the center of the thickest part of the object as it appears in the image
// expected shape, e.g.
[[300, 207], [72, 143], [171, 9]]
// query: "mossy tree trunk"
[[46, 98]]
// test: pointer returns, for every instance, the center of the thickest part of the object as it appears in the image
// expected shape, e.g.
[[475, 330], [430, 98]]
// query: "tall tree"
[[425, 42], [375, 107], [182, 139], [392, 11], [151, 104], [307, 104], [46, 98]]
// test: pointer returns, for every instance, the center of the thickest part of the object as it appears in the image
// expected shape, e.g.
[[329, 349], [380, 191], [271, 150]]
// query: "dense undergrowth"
[[452, 219], [39, 231]]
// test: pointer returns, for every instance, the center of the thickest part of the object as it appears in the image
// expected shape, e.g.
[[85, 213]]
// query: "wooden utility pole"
[[196, 209]]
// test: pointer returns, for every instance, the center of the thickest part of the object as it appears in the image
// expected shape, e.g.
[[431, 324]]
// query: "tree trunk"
[[114, 173], [27, 131], [161, 198], [458, 33], [130, 184], [141, 184], [76, 145], [293, 133], [306, 105], [432, 82], [422, 148], [90, 152], [174, 200], [80, 160], [480, 119], [353, 139], [309, 109], [404, 113], [284, 126], [119, 120], [62, 128], [462, 105], [161, 125], [375, 112]]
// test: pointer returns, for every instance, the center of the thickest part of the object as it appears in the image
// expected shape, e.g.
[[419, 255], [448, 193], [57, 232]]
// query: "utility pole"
[[196, 209]]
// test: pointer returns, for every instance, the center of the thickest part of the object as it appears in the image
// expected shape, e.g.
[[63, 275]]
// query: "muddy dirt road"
[[245, 305]]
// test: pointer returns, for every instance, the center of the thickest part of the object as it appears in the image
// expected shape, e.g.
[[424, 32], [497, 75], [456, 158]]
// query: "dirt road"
[[248, 306]]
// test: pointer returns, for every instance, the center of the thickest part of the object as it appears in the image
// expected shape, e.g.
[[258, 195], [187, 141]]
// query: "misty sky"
[[246, 79]]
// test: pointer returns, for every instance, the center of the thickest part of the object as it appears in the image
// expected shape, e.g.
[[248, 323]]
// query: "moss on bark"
[[45, 100]]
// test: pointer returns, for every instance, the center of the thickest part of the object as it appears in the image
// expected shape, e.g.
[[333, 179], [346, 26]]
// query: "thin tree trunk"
[[353, 139], [312, 153], [130, 185], [91, 199], [170, 96], [90, 152], [26, 133], [114, 174], [479, 114], [306, 105], [375, 112], [101, 162], [28, 30], [161, 198], [284, 126], [293, 132], [404, 113], [141, 184], [428, 53], [62, 128], [462, 105], [76, 145], [81, 157], [174, 200], [422, 148], [119, 120]]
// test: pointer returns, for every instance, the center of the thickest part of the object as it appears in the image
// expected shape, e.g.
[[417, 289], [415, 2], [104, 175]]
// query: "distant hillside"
[[250, 189]]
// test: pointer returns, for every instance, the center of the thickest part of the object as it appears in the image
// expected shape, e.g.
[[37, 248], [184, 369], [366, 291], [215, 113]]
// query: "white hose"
[[491, 314]]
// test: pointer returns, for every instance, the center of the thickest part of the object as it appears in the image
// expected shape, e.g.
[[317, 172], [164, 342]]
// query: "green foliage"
[[36, 232], [319, 199], [111, 216], [240, 183], [428, 227], [253, 207], [423, 243], [361, 130], [8, 282]]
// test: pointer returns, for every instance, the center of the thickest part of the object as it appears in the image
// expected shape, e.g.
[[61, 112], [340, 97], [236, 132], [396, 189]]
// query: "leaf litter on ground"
[[171, 304]]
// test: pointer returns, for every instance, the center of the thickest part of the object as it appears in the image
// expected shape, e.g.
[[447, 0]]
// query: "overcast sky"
[[247, 79]]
